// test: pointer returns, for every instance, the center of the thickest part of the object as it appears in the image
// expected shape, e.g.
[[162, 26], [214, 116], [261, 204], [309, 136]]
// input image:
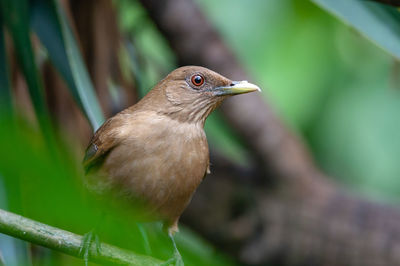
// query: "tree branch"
[[66, 242]]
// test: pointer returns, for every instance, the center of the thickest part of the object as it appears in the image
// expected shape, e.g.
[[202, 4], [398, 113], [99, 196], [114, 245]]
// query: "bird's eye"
[[197, 80]]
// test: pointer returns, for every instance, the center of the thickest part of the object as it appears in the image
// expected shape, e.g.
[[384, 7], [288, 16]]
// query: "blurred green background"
[[338, 90]]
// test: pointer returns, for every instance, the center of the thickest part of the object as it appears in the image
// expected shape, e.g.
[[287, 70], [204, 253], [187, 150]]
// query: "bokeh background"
[[332, 80]]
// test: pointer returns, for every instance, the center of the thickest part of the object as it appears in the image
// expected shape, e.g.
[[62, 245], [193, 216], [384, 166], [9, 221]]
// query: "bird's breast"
[[160, 161]]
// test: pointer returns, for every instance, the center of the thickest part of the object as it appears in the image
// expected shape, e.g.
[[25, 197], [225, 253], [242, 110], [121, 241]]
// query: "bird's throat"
[[195, 112]]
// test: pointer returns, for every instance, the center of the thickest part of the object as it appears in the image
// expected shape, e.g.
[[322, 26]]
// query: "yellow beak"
[[236, 87]]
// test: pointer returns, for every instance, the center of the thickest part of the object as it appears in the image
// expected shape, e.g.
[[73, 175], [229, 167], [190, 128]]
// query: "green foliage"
[[16, 15], [50, 24], [5, 88], [380, 23]]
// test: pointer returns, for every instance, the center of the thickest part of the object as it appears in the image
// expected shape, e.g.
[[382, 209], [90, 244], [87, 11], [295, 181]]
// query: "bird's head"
[[191, 93]]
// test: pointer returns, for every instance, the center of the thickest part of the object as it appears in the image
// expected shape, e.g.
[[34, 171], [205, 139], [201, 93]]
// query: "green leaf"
[[5, 88], [379, 23], [15, 15], [50, 24]]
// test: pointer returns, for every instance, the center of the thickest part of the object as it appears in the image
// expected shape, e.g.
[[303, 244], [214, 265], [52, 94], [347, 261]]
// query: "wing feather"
[[101, 144]]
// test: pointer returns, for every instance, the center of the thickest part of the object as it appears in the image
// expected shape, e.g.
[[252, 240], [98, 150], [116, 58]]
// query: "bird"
[[155, 153]]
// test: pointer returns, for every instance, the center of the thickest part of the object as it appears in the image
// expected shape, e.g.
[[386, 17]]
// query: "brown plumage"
[[156, 151]]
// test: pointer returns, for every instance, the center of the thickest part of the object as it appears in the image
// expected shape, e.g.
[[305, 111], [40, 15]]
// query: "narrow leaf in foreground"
[[15, 15], [5, 88], [378, 22], [51, 25]]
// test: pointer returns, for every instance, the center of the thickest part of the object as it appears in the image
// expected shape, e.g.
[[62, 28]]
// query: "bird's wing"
[[99, 147]]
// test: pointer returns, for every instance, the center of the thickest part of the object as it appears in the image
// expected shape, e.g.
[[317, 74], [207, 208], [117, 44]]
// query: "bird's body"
[[156, 151], [151, 162]]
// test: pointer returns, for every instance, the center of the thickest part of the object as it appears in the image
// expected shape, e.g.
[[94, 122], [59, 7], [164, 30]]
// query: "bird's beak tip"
[[237, 87]]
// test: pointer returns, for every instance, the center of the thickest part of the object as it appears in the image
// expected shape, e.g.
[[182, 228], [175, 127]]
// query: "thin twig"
[[66, 242]]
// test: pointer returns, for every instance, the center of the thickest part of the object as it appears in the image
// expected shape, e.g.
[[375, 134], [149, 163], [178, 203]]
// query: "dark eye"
[[197, 80]]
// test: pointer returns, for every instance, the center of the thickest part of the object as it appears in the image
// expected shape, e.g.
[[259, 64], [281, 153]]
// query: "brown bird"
[[156, 152]]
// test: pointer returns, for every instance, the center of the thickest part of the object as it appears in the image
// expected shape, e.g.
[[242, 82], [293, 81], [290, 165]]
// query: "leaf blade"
[[50, 24], [15, 15], [5, 86], [377, 22]]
